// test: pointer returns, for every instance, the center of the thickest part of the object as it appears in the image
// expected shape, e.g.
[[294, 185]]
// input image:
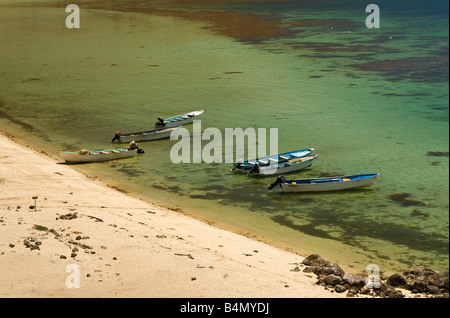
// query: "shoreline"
[[123, 246]]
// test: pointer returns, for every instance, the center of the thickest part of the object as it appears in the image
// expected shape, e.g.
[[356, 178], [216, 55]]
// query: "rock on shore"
[[417, 280]]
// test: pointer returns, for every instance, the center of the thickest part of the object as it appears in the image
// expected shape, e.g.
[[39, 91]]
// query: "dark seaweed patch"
[[429, 69], [358, 51], [31, 80], [437, 153], [394, 94], [416, 212], [381, 39], [215, 187], [234, 196], [420, 94], [326, 24], [402, 198], [159, 187], [352, 228], [132, 172], [307, 229], [24, 125], [444, 108], [175, 189], [199, 196]]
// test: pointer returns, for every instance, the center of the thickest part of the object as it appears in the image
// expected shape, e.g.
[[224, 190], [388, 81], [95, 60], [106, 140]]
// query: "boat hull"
[[280, 159], [147, 135], [180, 119], [98, 155], [293, 165], [328, 184]]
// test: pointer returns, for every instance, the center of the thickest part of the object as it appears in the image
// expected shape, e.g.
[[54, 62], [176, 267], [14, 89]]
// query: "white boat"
[[178, 120], [84, 156], [286, 166], [325, 184], [279, 159], [144, 135]]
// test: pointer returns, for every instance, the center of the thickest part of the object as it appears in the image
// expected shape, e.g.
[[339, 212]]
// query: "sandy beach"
[[122, 246]]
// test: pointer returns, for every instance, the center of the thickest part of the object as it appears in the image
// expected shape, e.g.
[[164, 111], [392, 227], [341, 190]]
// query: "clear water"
[[368, 101]]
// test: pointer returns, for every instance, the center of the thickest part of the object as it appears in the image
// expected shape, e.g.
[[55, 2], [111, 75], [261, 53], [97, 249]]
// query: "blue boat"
[[325, 184]]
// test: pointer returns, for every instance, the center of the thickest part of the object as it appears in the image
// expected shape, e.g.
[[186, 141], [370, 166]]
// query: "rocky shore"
[[417, 281]]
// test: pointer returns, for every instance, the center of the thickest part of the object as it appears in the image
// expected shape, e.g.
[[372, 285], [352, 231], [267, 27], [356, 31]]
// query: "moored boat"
[[147, 135], [325, 184], [271, 161], [286, 166], [85, 156], [178, 120]]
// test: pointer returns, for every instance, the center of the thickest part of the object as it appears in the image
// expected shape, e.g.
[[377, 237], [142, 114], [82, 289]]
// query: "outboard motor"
[[160, 122], [280, 179], [237, 166], [255, 168]]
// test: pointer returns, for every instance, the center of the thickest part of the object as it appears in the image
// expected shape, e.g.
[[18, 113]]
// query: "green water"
[[64, 89]]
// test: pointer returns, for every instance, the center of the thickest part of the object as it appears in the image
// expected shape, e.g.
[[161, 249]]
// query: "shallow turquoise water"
[[367, 100]]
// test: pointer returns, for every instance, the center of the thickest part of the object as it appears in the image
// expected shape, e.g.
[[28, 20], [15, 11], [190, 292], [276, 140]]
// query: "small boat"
[[324, 184], [85, 156], [290, 165], [271, 161], [154, 134], [178, 120]]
